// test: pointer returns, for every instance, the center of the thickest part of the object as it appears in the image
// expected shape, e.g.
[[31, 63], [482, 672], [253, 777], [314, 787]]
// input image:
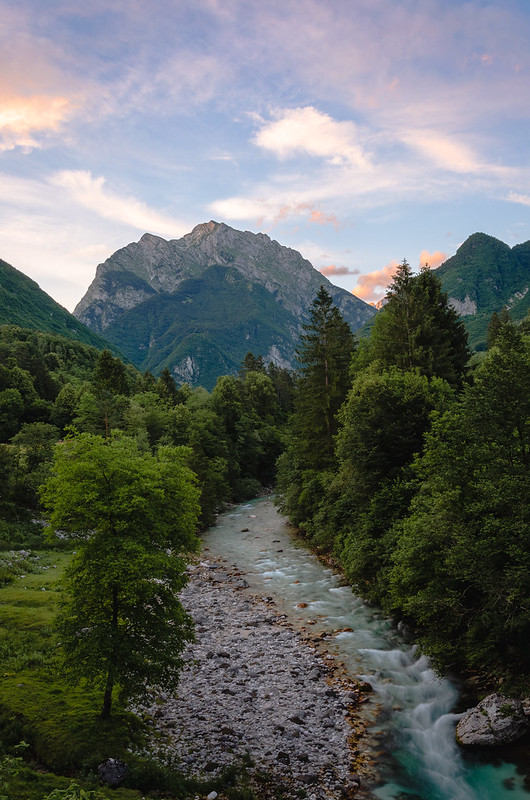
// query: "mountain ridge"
[[153, 273]]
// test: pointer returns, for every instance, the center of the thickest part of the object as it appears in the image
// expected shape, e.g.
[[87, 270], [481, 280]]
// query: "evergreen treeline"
[[412, 469]]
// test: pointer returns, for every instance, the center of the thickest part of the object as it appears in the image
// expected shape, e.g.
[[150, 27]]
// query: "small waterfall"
[[420, 757], [418, 721]]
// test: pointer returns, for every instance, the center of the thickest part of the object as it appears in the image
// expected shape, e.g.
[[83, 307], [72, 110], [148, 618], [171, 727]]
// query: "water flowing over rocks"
[[254, 689], [497, 720]]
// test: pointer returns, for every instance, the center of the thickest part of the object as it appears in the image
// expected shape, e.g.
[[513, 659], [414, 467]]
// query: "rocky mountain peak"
[[165, 286]]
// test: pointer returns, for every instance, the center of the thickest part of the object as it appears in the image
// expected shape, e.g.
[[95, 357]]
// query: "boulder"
[[497, 720], [112, 772]]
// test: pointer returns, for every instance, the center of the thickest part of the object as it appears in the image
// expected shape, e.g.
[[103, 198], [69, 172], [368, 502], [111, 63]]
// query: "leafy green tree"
[[33, 448], [134, 517], [147, 416], [11, 411], [418, 329], [100, 412], [251, 363], [383, 424]]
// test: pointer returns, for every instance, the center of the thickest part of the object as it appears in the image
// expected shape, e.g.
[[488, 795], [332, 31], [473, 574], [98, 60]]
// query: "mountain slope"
[[25, 304], [198, 304], [483, 276]]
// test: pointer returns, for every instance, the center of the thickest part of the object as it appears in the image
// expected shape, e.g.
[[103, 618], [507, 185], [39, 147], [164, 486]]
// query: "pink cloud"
[[319, 218], [332, 269], [315, 217], [432, 260], [23, 117], [373, 285]]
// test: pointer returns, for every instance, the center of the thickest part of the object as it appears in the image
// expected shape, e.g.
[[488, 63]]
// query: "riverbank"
[[256, 691]]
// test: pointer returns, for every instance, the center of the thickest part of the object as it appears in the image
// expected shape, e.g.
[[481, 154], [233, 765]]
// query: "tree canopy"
[[134, 516]]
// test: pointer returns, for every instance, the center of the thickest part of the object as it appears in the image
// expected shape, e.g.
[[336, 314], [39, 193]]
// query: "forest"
[[400, 455]]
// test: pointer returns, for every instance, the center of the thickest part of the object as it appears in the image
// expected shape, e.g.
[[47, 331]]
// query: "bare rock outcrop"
[[497, 720]]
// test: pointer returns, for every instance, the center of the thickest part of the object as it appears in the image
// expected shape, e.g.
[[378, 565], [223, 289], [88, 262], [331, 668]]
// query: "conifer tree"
[[325, 352], [418, 329]]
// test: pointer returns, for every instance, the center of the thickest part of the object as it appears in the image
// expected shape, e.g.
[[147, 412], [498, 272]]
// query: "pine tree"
[[325, 352], [418, 329]]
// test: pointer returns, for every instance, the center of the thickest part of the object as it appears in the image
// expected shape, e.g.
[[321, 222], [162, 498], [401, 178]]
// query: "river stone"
[[497, 720], [112, 772]]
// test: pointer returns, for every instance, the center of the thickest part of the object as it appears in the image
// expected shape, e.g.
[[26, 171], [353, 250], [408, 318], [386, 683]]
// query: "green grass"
[[61, 724]]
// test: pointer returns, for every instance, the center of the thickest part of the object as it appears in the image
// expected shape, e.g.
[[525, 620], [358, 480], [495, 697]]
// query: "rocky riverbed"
[[254, 689]]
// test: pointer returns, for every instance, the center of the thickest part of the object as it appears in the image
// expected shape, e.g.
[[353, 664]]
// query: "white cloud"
[[516, 197], [93, 194], [308, 131]]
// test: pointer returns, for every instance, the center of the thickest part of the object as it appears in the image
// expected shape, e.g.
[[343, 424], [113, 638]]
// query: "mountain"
[[483, 276], [199, 304], [25, 304]]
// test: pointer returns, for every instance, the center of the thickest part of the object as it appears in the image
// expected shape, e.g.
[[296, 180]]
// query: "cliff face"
[[213, 295]]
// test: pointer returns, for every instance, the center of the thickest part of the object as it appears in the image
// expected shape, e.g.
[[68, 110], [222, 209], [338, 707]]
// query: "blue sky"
[[359, 132]]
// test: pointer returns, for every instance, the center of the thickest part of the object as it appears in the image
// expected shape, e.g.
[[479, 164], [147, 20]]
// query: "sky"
[[358, 132]]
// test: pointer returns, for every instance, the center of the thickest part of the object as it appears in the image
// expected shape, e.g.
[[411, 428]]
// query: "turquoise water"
[[410, 717]]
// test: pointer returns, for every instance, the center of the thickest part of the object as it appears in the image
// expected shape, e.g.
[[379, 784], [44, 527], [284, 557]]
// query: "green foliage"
[[134, 515], [23, 303], [462, 563], [486, 272], [209, 321], [325, 352], [417, 328]]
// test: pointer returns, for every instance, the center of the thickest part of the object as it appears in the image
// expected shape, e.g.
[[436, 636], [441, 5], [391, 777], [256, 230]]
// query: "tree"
[[324, 354], [462, 563], [133, 516], [383, 424], [110, 374], [418, 329], [166, 387]]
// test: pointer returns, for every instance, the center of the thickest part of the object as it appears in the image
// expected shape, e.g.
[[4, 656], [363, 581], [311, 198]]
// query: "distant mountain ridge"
[[25, 304], [484, 276], [198, 304]]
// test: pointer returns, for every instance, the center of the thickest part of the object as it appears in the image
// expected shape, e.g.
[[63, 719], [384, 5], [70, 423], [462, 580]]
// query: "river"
[[410, 716]]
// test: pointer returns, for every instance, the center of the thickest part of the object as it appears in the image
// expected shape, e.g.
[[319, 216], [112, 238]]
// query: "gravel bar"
[[254, 688]]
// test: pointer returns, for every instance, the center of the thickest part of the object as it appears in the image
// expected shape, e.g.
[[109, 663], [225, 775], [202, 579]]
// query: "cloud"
[[23, 118], [372, 285], [92, 193], [515, 197], [444, 151], [331, 270], [319, 218], [308, 131], [433, 260]]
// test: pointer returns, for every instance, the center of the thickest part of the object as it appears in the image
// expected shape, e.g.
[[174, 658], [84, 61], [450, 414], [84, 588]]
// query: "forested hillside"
[[422, 494]]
